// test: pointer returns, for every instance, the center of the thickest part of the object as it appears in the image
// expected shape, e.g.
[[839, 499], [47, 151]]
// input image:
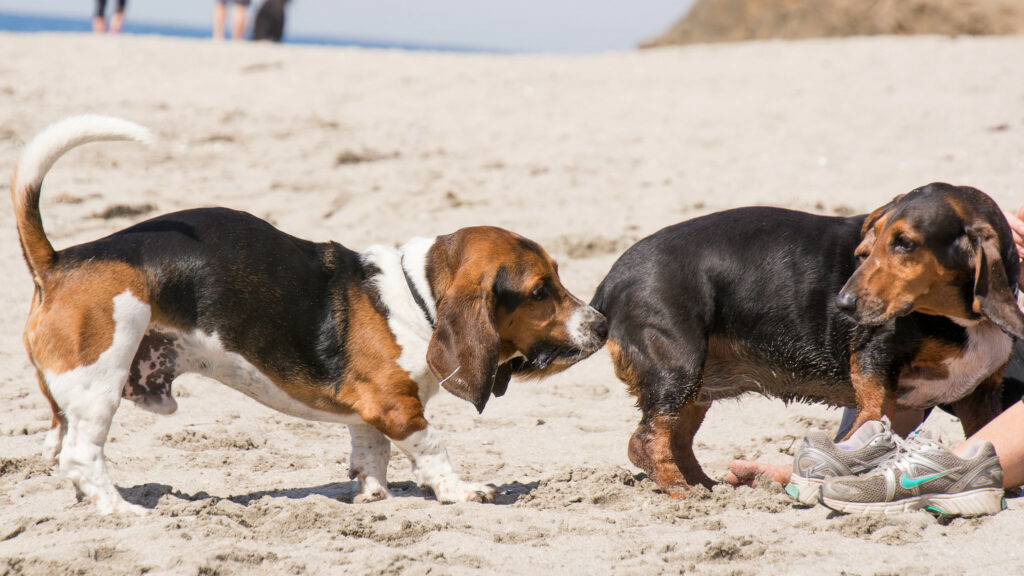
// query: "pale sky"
[[512, 25]]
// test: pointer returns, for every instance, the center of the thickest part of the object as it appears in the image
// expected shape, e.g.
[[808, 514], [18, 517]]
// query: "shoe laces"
[[905, 448]]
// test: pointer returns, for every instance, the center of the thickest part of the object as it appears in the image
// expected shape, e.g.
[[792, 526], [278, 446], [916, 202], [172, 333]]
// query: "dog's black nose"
[[846, 301]]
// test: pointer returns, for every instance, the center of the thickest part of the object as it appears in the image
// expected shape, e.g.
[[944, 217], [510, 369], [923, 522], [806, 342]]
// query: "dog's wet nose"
[[846, 301]]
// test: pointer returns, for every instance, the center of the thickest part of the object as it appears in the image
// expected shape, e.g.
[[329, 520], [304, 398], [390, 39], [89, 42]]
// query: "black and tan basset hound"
[[909, 307]]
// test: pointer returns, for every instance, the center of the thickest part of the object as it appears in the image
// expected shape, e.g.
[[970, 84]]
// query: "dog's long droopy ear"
[[463, 352], [992, 294]]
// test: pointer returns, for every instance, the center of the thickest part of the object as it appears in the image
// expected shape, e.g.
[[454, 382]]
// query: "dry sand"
[[583, 154]]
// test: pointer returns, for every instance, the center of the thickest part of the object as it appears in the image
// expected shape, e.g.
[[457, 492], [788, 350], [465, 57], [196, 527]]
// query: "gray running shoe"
[[818, 458], [923, 474]]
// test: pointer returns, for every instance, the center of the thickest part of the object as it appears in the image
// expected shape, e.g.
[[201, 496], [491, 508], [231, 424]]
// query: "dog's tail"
[[36, 160]]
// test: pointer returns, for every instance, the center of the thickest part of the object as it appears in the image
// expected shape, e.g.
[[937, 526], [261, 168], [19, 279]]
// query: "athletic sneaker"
[[923, 474], [818, 458]]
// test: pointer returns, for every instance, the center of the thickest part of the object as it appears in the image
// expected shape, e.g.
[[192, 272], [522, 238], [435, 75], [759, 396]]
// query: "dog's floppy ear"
[[463, 352], [992, 294]]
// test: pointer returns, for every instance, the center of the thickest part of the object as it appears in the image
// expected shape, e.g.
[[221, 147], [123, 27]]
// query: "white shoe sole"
[[971, 503], [804, 490]]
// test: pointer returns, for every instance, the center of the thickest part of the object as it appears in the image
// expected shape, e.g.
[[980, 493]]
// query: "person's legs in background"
[[99, 22], [238, 20], [219, 11], [117, 20]]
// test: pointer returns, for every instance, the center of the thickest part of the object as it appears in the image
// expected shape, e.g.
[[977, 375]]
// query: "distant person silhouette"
[[269, 24], [237, 18], [99, 21]]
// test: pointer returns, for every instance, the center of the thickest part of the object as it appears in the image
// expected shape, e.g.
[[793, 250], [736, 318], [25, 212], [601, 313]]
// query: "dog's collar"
[[417, 296]]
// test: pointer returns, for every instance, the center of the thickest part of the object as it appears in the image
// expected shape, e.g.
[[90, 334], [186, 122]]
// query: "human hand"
[[1017, 227]]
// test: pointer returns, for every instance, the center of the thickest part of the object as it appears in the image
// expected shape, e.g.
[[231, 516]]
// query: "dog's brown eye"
[[903, 245], [539, 293]]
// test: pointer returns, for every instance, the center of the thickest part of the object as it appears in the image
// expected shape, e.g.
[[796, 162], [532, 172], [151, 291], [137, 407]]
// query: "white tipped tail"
[[39, 155], [36, 160]]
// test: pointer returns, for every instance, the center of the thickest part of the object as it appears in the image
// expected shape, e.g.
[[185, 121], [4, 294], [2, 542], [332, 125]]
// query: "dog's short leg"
[[433, 469], [400, 418], [690, 419], [664, 372], [88, 396], [55, 437], [650, 449], [58, 424], [371, 451], [875, 394], [980, 406]]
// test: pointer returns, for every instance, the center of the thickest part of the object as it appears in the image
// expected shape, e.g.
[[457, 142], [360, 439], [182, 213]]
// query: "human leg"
[[238, 20], [117, 20], [99, 22], [1006, 433], [219, 12]]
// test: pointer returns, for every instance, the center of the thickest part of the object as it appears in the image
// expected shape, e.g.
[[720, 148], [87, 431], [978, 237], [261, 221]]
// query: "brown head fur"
[[499, 297], [940, 250]]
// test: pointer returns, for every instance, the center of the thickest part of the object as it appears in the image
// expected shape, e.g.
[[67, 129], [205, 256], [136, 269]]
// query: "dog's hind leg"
[[88, 396], [368, 464], [58, 424], [665, 388], [650, 449], [690, 419]]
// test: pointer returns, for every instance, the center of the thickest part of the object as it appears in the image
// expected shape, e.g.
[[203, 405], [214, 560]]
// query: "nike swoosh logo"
[[912, 482]]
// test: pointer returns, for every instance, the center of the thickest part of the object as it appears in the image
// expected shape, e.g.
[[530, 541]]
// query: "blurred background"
[[537, 26], [562, 26]]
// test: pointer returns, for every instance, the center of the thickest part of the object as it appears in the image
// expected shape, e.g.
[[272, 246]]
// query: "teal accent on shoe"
[[936, 510], [909, 483], [794, 492]]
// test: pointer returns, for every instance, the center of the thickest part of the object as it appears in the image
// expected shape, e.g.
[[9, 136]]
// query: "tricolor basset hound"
[[911, 306], [313, 330]]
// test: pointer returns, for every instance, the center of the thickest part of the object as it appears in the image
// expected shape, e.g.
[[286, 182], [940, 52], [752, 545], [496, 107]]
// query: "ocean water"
[[28, 23]]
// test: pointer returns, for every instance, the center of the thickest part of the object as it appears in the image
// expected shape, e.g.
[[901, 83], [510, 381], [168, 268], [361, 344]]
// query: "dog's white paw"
[[52, 444], [370, 490], [114, 504], [452, 489]]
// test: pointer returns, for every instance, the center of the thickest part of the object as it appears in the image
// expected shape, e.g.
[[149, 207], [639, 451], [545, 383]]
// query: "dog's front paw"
[[111, 504], [452, 489], [51, 447], [371, 496], [370, 490]]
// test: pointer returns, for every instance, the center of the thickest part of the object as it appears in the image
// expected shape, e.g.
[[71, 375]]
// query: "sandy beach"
[[584, 154]]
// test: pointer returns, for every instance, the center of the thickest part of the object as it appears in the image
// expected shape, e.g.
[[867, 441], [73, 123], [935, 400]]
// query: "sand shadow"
[[149, 495], [340, 491]]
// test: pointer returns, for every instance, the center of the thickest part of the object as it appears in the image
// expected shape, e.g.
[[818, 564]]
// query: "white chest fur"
[[987, 349], [405, 317]]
